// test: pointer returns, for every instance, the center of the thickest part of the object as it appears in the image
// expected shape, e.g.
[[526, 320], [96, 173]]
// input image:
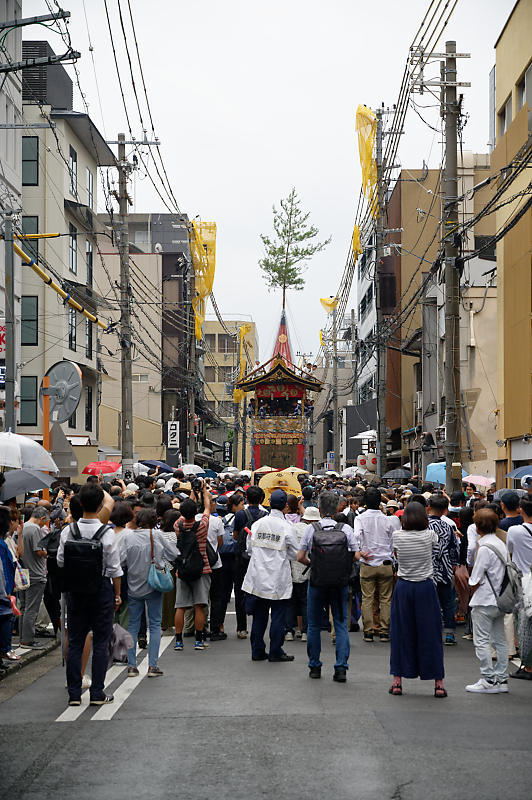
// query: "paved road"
[[220, 726]]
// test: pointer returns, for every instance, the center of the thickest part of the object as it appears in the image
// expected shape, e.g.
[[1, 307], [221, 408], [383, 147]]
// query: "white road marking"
[[71, 713], [127, 686]]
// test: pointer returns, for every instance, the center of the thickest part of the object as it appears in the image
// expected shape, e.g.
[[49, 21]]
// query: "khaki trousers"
[[373, 579]]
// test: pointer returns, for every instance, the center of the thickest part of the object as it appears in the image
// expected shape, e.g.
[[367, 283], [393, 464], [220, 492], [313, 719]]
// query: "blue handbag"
[[159, 578]]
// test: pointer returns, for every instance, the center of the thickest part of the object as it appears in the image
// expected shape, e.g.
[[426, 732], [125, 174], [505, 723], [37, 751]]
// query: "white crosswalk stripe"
[[128, 686], [72, 713]]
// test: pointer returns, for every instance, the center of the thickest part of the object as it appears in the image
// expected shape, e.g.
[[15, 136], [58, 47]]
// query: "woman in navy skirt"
[[416, 625]]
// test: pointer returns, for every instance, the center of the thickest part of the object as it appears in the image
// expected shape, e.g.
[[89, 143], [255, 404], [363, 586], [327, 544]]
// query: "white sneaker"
[[502, 687], [303, 637], [289, 637], [298, 634], [86, 683], [482, 686]]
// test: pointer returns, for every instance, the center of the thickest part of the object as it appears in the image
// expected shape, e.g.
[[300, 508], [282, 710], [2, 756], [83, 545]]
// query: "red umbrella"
[[101, 468]]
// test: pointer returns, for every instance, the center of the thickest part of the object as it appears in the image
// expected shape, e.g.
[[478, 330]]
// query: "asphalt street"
[[218, 725]]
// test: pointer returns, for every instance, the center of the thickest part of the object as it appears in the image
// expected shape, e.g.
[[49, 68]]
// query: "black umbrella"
[[398, 474], [20, 481]]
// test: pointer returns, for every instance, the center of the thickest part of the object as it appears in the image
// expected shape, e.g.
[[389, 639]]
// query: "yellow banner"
[[238, 394], [202, 240], [329, 303], [366, 126]]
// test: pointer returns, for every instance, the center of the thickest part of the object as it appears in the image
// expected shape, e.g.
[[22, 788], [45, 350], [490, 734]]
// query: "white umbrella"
[[191, 469], [349, 472], [228, 470], [22, 452], [245, 473]]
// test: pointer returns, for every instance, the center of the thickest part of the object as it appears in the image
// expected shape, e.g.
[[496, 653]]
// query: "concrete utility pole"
[[336, 420], [453, 450], [244, 432], [125, 310], [11, 369], [382, 453]]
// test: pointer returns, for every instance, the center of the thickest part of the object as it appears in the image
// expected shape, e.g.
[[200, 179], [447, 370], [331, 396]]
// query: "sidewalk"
[[29, 656]]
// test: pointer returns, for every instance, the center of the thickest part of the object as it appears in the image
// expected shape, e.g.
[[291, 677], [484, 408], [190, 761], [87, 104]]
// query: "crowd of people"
[[115, 565]]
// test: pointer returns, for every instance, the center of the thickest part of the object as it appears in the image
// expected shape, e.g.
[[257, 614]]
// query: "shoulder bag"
[[159, 578]]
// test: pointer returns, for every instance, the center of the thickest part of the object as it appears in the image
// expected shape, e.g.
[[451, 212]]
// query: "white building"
[[60, 179], [10, 167]]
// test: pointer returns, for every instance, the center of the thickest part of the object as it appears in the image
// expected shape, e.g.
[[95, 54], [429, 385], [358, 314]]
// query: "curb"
[[30, 657]]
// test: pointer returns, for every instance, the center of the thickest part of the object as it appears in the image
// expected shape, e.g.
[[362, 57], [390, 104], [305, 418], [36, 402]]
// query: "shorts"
[[192, 594]]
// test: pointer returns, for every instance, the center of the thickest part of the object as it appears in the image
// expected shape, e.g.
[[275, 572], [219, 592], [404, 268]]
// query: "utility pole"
[[10, 415], [381, 343], [453, 450], [336, 421], [125, 309]]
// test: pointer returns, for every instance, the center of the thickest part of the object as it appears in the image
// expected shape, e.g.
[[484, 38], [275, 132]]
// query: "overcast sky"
[[251, 98]]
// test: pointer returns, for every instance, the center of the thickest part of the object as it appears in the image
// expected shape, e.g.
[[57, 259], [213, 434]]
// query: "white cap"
[[132, 487], [312, 514]]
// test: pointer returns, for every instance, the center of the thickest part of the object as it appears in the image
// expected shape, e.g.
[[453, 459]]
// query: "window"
[[505, 117], [29, 308], [88, 338], [72, 421], [73, 248], [72, 328], [88, 261], [28, 400], [88, 408], [90, 188], [226, 344], [225, 409], [210, 374], [30, 160], [524, 90], [73, 171], [31, 246], [139, 377], [365, 392], [210, 341]]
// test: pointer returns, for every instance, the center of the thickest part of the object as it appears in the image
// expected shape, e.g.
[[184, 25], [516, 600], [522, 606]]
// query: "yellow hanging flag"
[[366, 126], [329, 303], [238, 394], [357, 247], [321, 339], [202, 240]]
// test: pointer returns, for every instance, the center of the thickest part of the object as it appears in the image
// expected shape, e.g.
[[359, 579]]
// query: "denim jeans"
[[488, 629], [153, 603], [337, 599], [447, 597]]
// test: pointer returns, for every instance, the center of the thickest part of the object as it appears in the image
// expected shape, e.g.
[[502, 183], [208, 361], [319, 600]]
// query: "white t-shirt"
[[487, 562], [216, 528], [519, 543]]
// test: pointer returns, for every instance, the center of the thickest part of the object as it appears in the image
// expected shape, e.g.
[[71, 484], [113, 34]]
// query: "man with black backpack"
[[193, 571], [331, 546], [88, 553], [244, 519]]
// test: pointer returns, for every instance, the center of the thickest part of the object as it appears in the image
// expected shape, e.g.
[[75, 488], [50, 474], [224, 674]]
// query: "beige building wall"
[[513, 125], [221, 369], [146, 365]]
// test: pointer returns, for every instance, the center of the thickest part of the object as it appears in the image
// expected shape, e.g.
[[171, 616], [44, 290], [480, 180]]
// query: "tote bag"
[[159, 578]]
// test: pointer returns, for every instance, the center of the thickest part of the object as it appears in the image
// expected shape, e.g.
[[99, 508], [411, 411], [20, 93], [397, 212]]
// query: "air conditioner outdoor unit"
[[419, 401]]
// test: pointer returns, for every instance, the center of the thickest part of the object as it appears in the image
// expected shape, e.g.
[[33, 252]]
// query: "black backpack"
[[83, 561], [189, 563], [331, 563], [242, 535]]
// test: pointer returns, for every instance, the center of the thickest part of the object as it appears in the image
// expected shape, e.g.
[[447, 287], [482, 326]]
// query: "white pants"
[[488, 628]]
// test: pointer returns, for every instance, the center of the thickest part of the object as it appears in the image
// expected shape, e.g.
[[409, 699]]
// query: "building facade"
[[59, 185], [511, 126]]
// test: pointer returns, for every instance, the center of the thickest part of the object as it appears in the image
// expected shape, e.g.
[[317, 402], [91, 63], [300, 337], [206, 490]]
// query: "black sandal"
[[396, 689], [439, 691]]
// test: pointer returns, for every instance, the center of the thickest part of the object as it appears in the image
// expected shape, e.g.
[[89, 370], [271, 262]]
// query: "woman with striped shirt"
[[416, 624]]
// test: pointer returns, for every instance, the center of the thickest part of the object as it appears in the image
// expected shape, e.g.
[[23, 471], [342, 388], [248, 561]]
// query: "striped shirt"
[[445, 555], [414, 554]]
